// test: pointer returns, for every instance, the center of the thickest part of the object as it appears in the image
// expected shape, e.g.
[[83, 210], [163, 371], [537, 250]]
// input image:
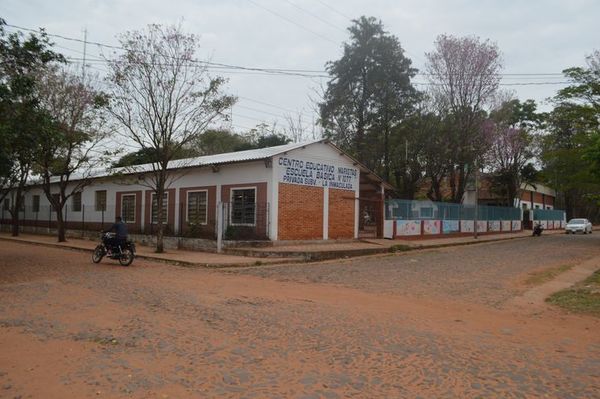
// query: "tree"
[[163, 99], [464, 77], [22, 61], [509, 130], [215, 141], [148, 155], [63, 157], [369, 93], [570, 151]]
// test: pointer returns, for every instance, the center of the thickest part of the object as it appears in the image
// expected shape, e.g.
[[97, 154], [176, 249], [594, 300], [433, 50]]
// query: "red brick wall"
[[341, 214], [300, 211]]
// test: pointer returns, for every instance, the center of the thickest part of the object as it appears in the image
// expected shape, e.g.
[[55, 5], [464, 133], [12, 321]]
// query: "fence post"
[[49, 217], [181, 219], [103, 218], [220, 227], [82, 219]]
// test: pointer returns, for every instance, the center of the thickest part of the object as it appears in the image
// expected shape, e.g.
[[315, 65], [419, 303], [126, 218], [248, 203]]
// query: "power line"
[[315, 16], [298, 71], [272, 105], [334, 10], [291, 21]]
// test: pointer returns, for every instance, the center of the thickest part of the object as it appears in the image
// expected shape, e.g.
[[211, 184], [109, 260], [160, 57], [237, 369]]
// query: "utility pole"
[[84, 54]]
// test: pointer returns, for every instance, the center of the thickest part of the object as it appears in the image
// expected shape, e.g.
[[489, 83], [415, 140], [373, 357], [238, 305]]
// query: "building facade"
[[300, 191]]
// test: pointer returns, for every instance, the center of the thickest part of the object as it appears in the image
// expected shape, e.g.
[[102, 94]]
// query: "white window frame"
[[187, 210], [231, 205], [166, 204], [134, 207]]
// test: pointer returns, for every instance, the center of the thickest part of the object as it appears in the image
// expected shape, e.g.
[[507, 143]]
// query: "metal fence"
[[548, 214], [399, 209], [249, 223]]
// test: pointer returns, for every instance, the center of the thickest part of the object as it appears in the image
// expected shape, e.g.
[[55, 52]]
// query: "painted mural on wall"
[[516, 225], [307, 172], [506, 225], [482, 226], [467, 226], [450, 226], [494, 225], [408, 227], [431, 226]]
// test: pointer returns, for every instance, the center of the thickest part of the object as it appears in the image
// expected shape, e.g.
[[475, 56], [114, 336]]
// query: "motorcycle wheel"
[[126, 257], [98, 254]]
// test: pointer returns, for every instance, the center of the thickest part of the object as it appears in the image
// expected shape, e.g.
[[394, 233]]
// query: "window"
[[36, 204], [154, 217], [22, 204], [197, 205], [7, 204], [76, 199], [128, 208], [101, 201], [243, 206]]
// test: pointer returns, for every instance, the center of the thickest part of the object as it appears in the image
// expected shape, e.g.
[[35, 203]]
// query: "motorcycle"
[[123, 253], [537, 230]]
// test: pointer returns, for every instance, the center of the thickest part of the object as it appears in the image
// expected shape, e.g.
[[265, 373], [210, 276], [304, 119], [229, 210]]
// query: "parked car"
[[578, 226]]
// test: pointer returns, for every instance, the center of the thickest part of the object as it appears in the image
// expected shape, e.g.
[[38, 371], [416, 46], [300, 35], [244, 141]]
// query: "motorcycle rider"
[[120, 230]]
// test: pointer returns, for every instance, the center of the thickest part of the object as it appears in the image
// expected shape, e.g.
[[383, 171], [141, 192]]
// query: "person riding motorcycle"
[[121, 235]]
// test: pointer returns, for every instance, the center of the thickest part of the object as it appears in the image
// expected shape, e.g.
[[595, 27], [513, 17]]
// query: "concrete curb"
[[290, 257], [175, 262]]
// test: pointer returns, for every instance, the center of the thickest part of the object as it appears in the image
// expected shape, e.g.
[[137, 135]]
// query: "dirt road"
[[431, 324]]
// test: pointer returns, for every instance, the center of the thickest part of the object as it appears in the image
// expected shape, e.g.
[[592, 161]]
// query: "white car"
[[578, 226]]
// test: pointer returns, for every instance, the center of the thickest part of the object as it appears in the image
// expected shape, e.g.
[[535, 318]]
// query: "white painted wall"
[[248, 172]]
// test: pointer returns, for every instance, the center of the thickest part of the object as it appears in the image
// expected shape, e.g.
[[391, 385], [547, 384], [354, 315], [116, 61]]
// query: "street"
[[436, 323]]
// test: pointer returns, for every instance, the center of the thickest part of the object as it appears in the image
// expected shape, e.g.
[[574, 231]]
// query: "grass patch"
[[541, 277], [400, 248], [583, 297]]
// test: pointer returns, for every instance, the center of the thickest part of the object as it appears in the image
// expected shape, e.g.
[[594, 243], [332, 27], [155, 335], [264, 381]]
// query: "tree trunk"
[[159, 216], [60, 225], [15, 223]]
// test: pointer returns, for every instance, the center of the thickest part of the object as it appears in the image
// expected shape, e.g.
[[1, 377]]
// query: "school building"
[[299, 191]]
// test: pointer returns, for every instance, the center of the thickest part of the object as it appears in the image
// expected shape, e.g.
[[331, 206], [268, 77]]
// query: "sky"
[[535, 37]]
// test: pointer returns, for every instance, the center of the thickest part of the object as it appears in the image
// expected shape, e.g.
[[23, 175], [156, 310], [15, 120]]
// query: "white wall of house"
[[249, 172]]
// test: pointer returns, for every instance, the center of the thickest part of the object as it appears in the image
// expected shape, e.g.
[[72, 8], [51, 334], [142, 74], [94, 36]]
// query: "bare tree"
[[65, 156], [510, 131], [164, 99], [463, 72]]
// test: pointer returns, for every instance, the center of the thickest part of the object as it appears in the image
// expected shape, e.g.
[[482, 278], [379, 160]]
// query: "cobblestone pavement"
[[487, 273], [72, 329]]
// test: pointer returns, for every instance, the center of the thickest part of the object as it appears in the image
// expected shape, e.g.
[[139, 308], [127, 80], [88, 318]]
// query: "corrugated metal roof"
[[220, 159], [217, 159]]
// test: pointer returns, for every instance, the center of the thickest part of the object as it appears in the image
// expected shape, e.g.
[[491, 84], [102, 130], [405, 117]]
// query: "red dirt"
[[72, 329]]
